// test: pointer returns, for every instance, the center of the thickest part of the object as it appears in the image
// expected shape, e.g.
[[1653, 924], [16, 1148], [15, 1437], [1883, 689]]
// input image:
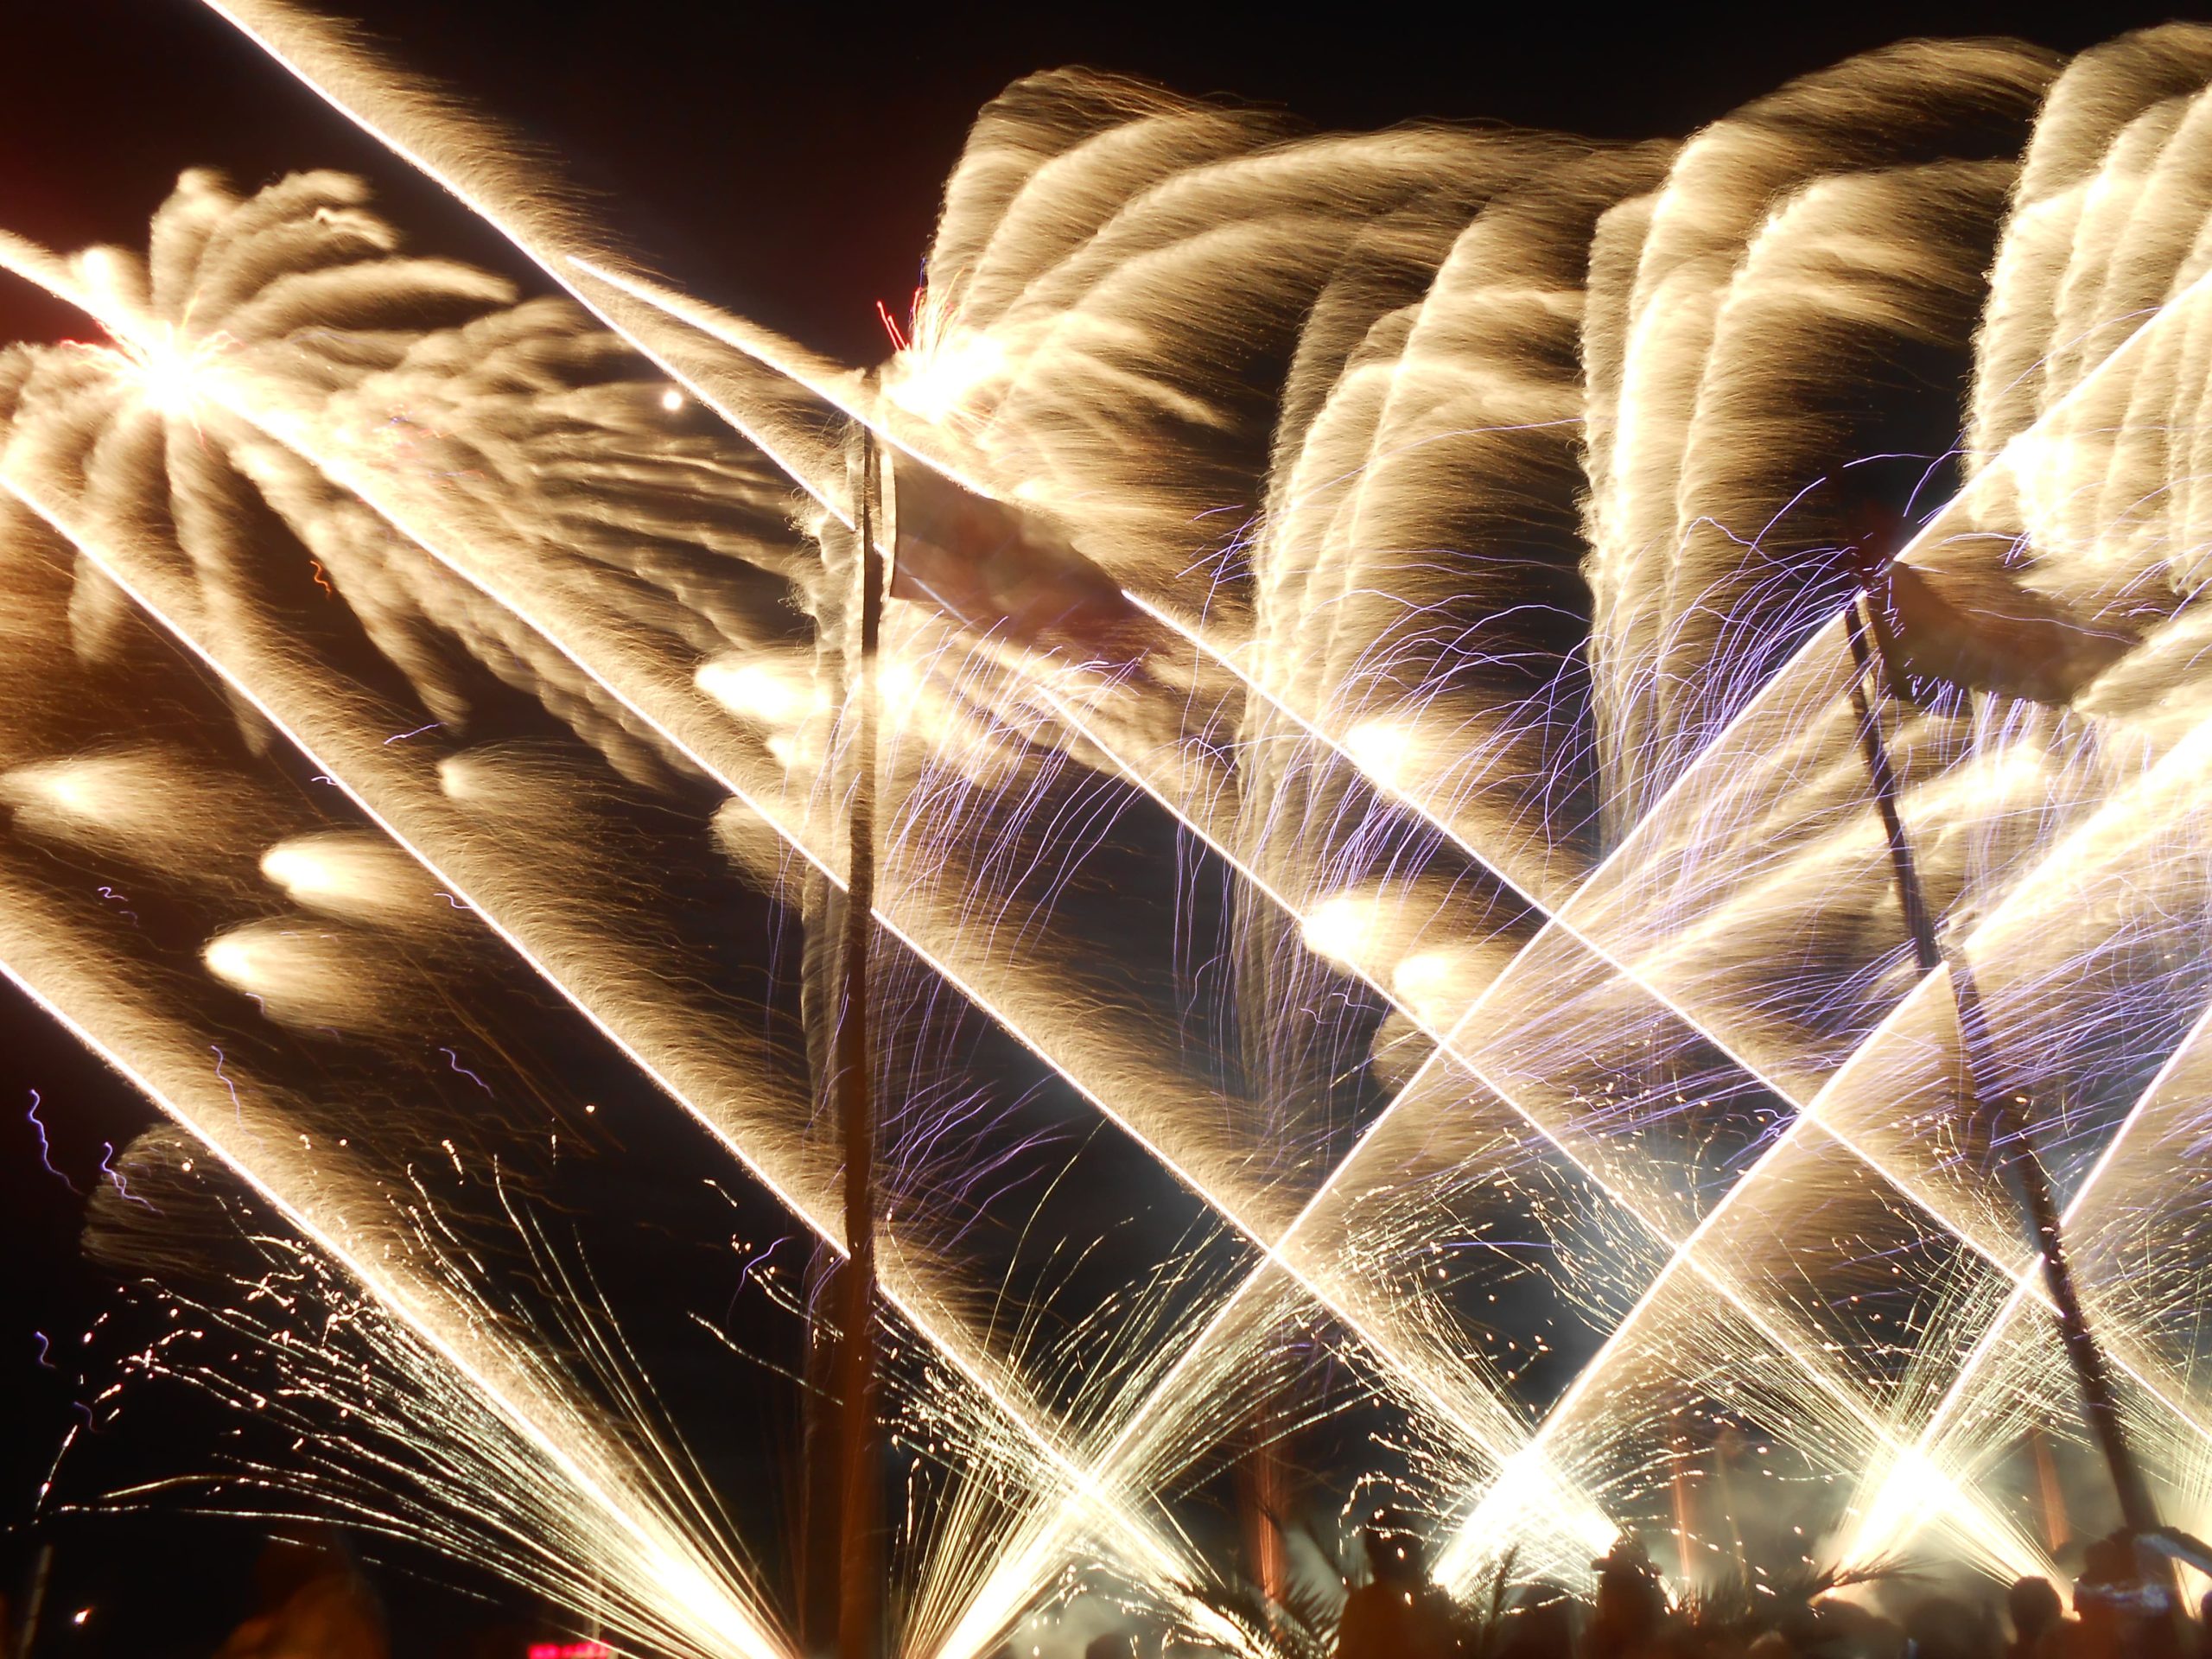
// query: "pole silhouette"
[[1990, 1110], [860, 1566]]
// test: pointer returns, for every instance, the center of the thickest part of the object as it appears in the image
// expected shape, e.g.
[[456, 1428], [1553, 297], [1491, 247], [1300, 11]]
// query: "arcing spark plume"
[[1368, 717], [388, 783], [1483, 1425], [1485, 1432]]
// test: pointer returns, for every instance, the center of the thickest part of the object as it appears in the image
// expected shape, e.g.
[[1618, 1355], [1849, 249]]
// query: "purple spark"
[[116, 898], [453, 1059], [401, 737], [237, 1109], [45, 1148], [744, 1272], [108, 1169]]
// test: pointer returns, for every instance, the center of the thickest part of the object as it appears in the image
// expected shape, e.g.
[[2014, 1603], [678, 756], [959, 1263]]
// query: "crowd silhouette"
[[2122, 1605]]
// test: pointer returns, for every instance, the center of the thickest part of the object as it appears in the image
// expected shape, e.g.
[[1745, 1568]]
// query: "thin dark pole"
[[1985, 1096], [860, 1603]]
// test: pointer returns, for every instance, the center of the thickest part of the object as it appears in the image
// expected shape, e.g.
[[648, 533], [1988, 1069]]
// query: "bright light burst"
[[1388, 944]]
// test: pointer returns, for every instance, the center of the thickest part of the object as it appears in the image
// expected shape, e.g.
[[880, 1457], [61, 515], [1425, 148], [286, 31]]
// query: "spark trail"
[[723, 1097], [704, 742], [670, 1589], [1477, 1415], [1452, 525]]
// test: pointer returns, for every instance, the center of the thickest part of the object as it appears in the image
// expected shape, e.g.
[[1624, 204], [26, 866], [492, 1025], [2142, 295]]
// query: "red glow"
[[570, 1650], [891, 327]]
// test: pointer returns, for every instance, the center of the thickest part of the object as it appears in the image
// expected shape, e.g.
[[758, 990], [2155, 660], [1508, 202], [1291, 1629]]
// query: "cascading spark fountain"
[[1376, 878]]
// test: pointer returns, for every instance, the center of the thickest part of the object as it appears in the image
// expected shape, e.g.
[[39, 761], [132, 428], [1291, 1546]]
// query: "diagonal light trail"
[[1493, 1430], [29, 261], [709, 1604], [1421, 1378], [976, 1367], [2183, 759], [1273, 1249], [1695, 1023], [2027, 1286], [343, 78]]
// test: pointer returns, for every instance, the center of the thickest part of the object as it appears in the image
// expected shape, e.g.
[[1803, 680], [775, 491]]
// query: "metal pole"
[[860, 1604], [1986, 1096]]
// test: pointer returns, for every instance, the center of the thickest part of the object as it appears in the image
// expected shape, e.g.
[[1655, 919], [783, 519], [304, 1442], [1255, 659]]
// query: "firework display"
[[1512, 787]]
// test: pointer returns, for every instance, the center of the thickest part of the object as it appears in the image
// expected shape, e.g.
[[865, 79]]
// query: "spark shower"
[[1386, 965]]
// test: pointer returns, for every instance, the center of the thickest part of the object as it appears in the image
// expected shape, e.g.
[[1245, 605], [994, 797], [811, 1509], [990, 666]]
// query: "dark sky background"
[[781, 160]]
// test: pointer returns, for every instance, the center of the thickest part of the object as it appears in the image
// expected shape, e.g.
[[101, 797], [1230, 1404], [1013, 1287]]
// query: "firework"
[[1368, 719]]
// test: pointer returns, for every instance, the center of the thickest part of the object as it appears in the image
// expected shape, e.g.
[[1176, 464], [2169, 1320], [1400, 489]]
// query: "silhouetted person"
[[1539, 1626], [1848, 1631], [2033, 1606], [1943, 1627], [2119, 1613], [314, 1606], [1630, 1605], [1397, 1613]]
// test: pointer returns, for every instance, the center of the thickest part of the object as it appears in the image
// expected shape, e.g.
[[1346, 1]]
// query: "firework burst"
[[1383, 938]]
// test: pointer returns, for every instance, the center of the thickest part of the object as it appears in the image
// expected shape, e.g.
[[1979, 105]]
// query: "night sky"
[[784, 161]]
